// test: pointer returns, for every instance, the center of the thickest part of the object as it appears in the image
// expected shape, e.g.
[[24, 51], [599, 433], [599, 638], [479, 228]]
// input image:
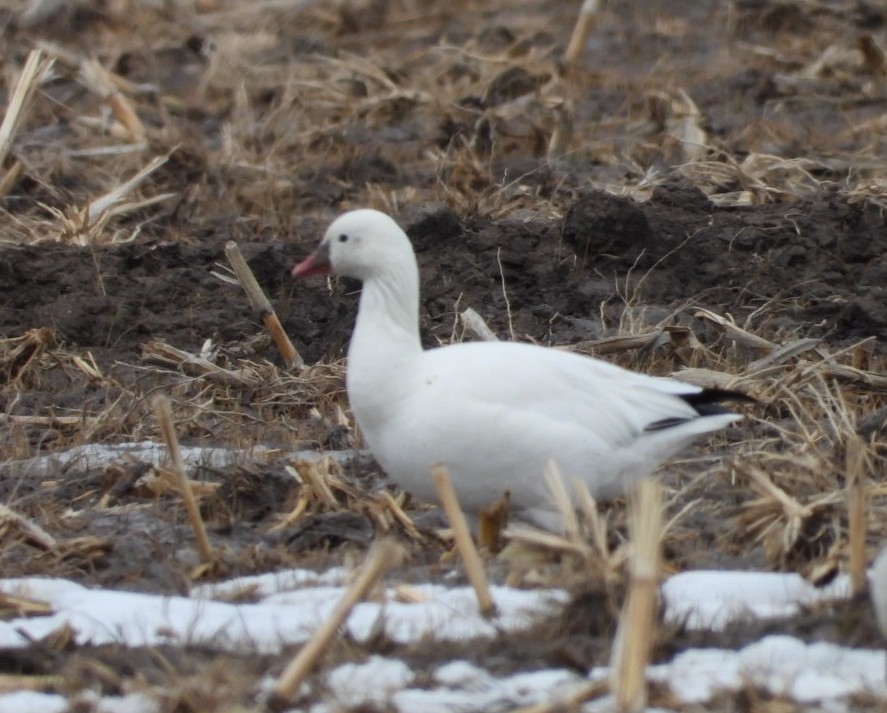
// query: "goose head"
[[361, 244]]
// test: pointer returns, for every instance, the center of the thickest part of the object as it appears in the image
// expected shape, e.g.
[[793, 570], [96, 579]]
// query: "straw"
[[381, 558], [262, 306], [587, 15], [856, 509], [634, 636], [35, 67], [167, 431], [473, 565]]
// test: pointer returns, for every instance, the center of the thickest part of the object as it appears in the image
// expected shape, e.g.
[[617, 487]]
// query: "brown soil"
[[277, 118]]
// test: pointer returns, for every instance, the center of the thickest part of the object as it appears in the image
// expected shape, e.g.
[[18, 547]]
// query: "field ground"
[[702, 190]]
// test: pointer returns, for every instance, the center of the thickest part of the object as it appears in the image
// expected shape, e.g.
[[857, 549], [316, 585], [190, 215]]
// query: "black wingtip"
[[707, 401]]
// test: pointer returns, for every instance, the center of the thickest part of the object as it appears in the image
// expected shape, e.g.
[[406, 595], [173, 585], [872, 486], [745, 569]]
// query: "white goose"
[[494, 413]]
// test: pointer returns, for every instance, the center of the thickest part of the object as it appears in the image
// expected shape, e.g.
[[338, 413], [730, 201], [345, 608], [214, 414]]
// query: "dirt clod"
[[700, 193]]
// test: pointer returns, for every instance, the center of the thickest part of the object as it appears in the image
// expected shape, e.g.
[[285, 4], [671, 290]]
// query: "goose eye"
[[343, 238]]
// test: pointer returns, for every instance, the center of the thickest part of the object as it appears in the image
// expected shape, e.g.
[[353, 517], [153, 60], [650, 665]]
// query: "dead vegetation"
[[454, 109], [168, 128]]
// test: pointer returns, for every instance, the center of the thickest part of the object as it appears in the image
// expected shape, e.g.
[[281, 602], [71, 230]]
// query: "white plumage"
[[494, 413]]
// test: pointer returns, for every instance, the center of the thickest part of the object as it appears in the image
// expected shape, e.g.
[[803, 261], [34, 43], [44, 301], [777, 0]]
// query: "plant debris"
[[695, 190]]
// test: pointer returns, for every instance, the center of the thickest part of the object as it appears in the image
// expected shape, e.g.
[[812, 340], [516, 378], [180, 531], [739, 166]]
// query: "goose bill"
[[317, 263]]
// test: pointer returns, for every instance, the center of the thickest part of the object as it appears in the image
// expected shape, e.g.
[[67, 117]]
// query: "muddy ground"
[[725, 156]]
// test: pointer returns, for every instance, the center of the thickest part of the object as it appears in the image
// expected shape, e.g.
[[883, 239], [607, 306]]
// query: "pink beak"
[[317, 263]]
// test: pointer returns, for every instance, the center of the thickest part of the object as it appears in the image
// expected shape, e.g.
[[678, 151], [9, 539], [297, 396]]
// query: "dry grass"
[[206, 397], [788, 473], [163, 122], [286, 114]]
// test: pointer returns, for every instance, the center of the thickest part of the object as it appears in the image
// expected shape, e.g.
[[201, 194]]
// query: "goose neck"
[[388, 317]]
